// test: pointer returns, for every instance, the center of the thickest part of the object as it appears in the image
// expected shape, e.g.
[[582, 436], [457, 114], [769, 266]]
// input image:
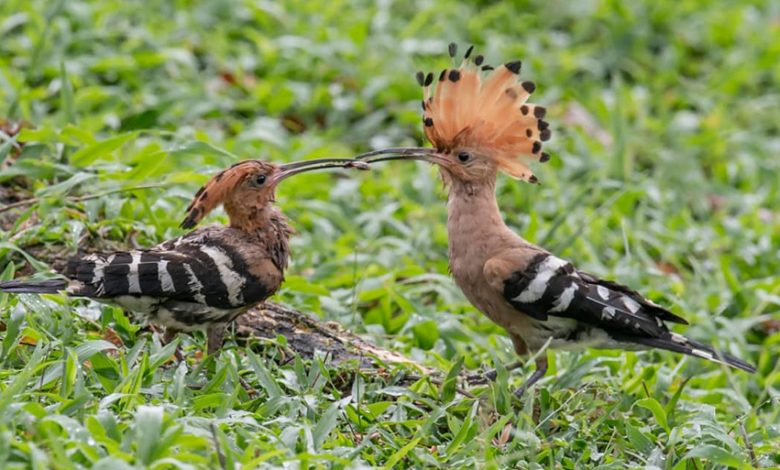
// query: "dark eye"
[[260, 180], [464, 157]]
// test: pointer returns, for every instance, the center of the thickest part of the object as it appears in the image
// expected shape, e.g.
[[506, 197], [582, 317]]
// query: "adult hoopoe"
[[206, 278], [478, 128]]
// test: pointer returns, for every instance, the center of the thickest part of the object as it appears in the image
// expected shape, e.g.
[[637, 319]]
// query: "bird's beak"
[[289, 169], [404, 153]]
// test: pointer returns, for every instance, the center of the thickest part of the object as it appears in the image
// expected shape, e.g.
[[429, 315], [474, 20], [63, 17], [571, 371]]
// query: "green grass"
[[665, 176]]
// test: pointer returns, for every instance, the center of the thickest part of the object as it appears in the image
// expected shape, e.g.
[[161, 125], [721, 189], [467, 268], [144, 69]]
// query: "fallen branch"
[[307, 335]]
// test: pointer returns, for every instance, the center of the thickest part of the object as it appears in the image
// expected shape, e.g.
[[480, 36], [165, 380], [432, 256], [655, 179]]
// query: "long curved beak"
[[424, 154], [294, 168]]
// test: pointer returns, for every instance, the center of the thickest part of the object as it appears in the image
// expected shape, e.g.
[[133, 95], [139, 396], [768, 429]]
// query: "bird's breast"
[[471, 280]]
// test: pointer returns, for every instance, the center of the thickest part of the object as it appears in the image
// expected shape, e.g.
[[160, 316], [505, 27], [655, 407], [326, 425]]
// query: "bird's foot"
[[541, 369], [521, 390], [482, 379], [490, 376]]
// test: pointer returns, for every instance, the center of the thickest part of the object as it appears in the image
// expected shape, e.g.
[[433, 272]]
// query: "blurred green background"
[[664, 175]]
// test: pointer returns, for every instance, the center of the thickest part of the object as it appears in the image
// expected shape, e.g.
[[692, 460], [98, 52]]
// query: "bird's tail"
[[680, 344], [48, 286]]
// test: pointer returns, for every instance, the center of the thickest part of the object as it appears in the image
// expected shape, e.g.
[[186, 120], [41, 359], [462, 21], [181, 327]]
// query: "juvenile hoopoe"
[[206, 278], [478, 128]]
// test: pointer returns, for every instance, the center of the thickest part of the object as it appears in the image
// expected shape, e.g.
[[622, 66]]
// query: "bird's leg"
[[215, 335], [520, 348], [541, 369], [170, 335]]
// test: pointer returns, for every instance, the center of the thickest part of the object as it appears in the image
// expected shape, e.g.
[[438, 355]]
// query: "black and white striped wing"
[[550, 286], [201, 273]]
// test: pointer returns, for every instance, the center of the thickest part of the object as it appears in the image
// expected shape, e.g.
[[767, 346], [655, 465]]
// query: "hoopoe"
[[208, 277], [478, 128]]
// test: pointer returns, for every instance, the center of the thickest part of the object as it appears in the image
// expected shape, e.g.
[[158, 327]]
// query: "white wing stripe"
[[603, 292], [631, 304], [195, 283], [678, 338], [233, 281], [608, 312], [564, 300], [99, 269], [166, 281], [133, 280], [538, 285]]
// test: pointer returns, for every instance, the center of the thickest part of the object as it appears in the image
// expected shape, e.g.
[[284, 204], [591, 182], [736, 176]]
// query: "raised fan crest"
[[490, 116]]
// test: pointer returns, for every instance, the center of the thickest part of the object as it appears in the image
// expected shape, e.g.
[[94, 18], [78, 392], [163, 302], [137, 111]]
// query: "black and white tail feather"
[[47, 286], [605, 314]]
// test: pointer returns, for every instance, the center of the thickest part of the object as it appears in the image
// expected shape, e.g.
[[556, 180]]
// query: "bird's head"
[[479, 123], [248, 187]]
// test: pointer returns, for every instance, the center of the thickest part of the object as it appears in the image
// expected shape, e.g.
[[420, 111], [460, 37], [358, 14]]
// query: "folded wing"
[[190, 269], [544, 286]]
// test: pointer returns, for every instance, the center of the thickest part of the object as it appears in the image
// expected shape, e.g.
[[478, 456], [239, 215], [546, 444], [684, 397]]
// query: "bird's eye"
[[464, 157], [260, 180]]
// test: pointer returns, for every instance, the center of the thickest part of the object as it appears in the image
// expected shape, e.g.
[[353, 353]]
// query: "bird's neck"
[[475, 227], [249, 217], [268, 225]]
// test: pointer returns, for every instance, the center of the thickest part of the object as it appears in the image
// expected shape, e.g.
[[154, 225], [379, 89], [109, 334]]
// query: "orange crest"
[[489, 116]]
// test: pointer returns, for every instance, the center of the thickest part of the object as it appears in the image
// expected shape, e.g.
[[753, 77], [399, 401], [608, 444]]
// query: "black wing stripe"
[[116, 279], [148, 273], [81, 269], [179, 278], [120, 258]]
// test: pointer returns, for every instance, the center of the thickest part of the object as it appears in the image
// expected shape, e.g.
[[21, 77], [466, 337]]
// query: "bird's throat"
[[475, 227], [249, 217]]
